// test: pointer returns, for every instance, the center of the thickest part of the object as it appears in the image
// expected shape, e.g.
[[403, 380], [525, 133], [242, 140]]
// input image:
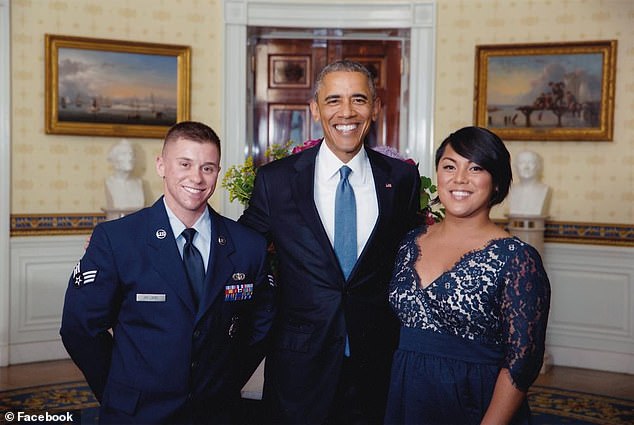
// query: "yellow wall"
[[56, 174], [592, 181]]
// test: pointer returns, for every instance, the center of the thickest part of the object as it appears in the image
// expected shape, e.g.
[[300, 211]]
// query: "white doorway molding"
[[5, 175], [419, 17]]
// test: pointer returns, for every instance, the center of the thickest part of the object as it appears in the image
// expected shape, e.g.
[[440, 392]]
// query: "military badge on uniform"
[[83, 278], [241, 292]]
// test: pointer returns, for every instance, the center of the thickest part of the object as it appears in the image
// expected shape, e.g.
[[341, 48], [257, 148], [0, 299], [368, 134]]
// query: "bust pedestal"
[[114, 213], [530, 229]]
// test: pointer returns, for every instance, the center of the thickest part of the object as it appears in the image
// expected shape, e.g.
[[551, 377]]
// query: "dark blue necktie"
[[345, 223], [194, 265]]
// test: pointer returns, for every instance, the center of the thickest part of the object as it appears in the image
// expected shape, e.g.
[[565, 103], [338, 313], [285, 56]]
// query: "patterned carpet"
[[57, 399], [553, 406], [550, 406]]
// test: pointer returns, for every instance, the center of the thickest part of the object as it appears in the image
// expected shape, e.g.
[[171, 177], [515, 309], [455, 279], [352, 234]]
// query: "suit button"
[[194, 365], [196, 333]]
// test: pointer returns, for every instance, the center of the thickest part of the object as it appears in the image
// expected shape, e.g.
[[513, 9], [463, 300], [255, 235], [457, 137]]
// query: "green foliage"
[[239, 179], [428, 203], [276, 151]]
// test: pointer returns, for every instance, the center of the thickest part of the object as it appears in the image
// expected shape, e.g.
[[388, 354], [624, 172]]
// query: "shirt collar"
[[202, 225], [329, 164]]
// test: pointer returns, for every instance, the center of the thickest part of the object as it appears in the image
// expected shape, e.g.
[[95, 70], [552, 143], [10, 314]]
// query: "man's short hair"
[[192, 130], [345, 65]]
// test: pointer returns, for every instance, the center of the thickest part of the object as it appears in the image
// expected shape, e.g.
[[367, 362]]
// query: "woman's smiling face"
[[464, 187]]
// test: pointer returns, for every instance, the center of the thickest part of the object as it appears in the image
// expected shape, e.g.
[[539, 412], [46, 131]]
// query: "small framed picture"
[[288, 122]]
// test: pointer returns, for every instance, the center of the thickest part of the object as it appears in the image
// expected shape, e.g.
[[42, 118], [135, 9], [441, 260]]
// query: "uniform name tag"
[[239, 292], [152, 298]]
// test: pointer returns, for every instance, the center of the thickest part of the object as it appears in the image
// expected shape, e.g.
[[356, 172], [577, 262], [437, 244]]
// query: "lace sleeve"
[[525, 307]]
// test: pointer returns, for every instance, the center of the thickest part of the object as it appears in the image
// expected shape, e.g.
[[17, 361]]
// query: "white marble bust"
[[528, 196], [123, 191]]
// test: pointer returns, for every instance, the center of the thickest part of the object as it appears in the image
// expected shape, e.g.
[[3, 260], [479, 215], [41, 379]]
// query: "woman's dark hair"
[[486, 149]]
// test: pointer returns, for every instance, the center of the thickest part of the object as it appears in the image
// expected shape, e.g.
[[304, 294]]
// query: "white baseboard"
[[37, 352], [4, 355], [592, 359]]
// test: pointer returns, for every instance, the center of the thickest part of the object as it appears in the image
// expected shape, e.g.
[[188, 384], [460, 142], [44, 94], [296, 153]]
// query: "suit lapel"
[[303, 185], [220, 264], [303, 191], [164, 256], [381, 172]]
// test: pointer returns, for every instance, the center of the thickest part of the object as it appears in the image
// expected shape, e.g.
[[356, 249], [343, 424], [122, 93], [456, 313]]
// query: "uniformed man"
[[168, 309]]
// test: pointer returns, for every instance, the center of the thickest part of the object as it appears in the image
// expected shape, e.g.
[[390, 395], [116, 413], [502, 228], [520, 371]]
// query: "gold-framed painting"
[[546, 91], [99, 87]]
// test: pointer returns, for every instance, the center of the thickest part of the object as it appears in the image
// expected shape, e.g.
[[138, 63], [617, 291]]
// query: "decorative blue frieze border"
[[54, 224], [585, 233], [556, 231], [590, 233]]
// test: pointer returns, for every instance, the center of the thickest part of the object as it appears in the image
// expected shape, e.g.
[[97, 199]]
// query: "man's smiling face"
[[346, 110], [190, 171]]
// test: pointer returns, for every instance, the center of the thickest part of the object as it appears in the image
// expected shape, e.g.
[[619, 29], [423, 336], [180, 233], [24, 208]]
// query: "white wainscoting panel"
[[40, 268], [591, 321]]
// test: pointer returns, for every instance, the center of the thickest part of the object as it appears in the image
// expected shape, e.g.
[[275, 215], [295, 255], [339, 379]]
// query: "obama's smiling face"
[[346, 108]]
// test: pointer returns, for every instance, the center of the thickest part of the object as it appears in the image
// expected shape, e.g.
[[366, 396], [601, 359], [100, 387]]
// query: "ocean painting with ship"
[[116, 88]]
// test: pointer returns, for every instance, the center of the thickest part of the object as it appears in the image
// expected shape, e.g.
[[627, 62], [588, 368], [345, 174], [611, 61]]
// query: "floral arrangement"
[[239, 179]]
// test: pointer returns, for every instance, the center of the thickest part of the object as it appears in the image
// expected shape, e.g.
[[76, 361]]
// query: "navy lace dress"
[[489, 311]]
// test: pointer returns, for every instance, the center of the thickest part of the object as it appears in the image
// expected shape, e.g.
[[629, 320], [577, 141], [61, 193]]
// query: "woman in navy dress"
[[472, 300]]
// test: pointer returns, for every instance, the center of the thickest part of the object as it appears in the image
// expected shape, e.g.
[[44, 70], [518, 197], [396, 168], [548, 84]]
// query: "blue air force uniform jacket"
[[131, 324]]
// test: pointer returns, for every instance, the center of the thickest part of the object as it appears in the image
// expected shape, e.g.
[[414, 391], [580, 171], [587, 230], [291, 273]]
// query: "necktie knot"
[[344, 172], [189, 234]]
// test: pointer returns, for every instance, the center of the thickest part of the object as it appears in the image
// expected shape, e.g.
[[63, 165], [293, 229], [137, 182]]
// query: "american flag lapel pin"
[[388, 185]]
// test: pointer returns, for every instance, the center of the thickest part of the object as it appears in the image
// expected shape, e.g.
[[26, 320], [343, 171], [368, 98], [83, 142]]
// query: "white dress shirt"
[[202, 239], [327, 167]]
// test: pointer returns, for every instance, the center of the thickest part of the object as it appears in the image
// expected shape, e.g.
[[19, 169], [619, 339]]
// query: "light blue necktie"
[[345, 223], [345, 228]]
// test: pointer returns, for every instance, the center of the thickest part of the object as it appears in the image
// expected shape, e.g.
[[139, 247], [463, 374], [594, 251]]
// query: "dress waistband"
[[437, 344]]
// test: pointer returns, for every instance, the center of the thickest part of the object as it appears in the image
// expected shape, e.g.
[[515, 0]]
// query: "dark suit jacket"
[[317, 306], [168, 361]]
